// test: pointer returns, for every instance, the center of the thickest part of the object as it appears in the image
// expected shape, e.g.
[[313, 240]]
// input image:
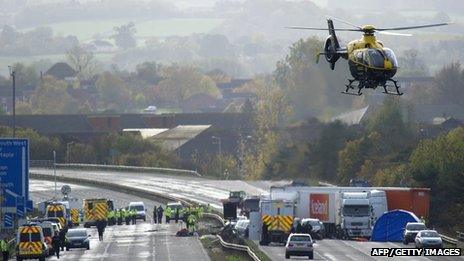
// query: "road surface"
[[201, 190], [212, 191], [334, 250], [143, 241]]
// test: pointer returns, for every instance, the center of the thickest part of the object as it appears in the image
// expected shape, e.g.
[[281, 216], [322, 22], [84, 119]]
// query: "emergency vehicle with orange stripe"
[[31, 243]]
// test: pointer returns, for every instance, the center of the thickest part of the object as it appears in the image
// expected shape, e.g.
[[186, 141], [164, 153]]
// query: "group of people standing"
[[189, 215], [118, 216]]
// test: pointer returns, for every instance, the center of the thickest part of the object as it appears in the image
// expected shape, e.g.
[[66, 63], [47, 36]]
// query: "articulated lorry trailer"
[[349, 212], [345, 214]]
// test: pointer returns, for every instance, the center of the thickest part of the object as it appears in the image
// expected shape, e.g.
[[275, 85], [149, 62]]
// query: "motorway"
[[212, 191], [201, 190], [143, 241], [334, 250]]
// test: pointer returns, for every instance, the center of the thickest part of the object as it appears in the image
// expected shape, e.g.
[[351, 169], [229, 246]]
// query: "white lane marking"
[[105, 254], [356, 248], [330, 257], [167, 246]]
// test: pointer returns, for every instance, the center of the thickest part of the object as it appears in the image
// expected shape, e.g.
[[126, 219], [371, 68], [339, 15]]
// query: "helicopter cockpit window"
[[374, 57], [359, 57], [390, 56]]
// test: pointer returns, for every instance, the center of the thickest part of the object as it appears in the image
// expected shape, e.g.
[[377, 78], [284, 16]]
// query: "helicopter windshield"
[[390, 56], [374, 58]]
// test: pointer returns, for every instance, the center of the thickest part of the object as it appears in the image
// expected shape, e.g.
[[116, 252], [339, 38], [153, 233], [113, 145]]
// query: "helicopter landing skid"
[[350, 86], [395, 84]]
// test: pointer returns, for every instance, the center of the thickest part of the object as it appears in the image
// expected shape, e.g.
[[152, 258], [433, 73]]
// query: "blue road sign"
[[14, 170], [20, 212], [8, 220]]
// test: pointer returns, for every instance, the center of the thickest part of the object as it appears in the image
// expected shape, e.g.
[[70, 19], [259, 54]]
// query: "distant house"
[[100, 46], [62, 71], [352, 117], [232, 97], [429, 113]]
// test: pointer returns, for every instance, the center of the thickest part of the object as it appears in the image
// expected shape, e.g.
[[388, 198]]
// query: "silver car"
[[428, 239], [299, 245]]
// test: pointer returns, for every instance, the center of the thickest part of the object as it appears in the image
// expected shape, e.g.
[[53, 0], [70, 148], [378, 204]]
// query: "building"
[[62, 71]]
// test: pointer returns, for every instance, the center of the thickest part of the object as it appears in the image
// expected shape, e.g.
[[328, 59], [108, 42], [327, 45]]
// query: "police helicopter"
[[371, 64]]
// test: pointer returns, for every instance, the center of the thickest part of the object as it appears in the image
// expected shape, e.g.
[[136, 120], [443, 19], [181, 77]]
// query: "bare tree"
[[82, 61]]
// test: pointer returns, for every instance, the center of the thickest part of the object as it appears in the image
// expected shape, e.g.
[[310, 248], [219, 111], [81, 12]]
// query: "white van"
[[140, 208]]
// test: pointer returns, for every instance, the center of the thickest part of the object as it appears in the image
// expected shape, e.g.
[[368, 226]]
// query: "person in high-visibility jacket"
[[134, 216], [110, 217], [191, 220], [127, 216], [168, 214], [4, 249], [116, 217]]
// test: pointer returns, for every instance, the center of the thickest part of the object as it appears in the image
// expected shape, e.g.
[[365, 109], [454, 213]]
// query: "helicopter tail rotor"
[[330, 51], [331, 45]]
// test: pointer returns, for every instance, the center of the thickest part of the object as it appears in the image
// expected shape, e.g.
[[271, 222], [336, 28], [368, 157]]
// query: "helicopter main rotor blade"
[[412, 27], [343, 21], [392, 33], [322, 29]]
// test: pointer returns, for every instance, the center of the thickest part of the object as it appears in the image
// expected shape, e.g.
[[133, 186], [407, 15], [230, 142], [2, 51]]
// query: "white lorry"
[[345, 211], [355, 215]]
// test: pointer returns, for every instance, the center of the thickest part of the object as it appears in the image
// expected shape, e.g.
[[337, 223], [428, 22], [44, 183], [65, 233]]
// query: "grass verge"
[[217, 253]]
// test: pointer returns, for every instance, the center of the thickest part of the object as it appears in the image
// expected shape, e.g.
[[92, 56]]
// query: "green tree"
[[25, 76], [324, 154], [125, 36], [113, 92], [449, 85], [351, 159], [41, 147], [51, 97], [302, 80], [395, 176], [311, 87], [81, 153], [149, 72], [439, 165], [272, 111], [181, 82], [389, 123]]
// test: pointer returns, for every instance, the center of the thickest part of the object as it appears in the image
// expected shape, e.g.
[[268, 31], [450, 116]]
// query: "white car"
[[140, 208], [299, 245], [242, 227], [428, 239], [411, 230]]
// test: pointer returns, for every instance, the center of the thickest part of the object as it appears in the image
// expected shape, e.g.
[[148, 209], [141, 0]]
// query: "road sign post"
[[14, 177]]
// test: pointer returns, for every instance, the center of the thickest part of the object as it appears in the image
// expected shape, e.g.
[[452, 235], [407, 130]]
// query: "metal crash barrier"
[[239, 248]]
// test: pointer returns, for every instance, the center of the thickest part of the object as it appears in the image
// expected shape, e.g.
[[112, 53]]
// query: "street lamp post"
[[68, 151], [54, 171], [13, 85], [217, 140]]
